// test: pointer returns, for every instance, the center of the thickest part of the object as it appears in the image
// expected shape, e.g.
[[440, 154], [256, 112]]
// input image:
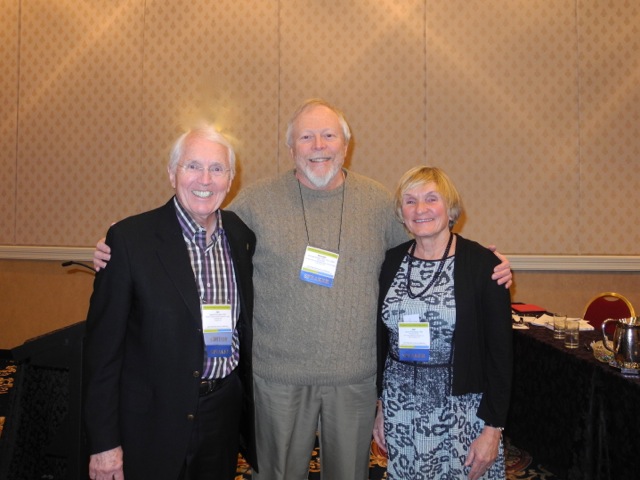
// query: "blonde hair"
[[422, 175]]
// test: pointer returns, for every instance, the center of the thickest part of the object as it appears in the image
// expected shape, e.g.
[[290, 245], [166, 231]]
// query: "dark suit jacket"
[[483, 352], [144, 346]]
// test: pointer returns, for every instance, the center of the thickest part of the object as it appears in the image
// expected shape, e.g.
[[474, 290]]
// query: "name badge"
[[319, 267], [414, 339], [217, 328]]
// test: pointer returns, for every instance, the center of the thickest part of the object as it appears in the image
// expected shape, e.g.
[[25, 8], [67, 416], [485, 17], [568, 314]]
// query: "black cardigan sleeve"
[[483, 351]]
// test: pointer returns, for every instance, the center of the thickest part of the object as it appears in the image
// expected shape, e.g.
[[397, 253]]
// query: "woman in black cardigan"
[[444, 343]]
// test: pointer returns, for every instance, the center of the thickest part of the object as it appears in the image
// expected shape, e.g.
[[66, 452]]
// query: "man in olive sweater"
[[314, 346]]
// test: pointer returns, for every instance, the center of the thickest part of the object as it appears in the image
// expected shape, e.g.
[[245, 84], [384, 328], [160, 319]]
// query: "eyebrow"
[[430, 192], [322, 129], [197, 160]]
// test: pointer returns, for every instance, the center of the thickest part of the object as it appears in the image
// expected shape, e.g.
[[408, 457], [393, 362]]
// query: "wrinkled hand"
[[378, 429], [101, 255], [106, 465], [502, 273], [483, 452]]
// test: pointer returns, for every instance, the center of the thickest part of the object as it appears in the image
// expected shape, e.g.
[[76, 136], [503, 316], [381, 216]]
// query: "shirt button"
[[196, 374], [190, 417]]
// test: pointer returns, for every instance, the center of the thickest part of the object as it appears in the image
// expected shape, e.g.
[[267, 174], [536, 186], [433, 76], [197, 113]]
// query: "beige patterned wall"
[[609, 46], [502, 103], [9, 41], [532, 106], [80, 122]]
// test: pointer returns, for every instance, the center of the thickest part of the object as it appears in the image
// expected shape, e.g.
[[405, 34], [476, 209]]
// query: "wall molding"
[[577, 263], [82, 254]]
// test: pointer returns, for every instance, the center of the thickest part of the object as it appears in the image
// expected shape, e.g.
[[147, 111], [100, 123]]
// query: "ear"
[[172, 178]]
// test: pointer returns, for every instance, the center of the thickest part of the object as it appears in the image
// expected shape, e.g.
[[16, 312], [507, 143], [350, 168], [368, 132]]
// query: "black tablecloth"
[[572, 412]]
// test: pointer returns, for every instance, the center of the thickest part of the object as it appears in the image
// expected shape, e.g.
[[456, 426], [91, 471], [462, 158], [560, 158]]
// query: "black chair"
[[42, 436]]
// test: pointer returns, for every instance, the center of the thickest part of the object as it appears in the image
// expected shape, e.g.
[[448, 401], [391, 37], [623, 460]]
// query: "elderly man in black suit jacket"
[[168, 388]]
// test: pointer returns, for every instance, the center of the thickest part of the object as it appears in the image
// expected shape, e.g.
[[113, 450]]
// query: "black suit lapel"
[[240, 252], [235, 243], [172, 254]]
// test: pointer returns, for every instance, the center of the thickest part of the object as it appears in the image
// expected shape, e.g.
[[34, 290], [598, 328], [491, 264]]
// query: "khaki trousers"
[[288, 416]]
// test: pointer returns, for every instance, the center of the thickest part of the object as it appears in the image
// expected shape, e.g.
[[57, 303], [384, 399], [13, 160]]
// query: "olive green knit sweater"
[[306, 334]]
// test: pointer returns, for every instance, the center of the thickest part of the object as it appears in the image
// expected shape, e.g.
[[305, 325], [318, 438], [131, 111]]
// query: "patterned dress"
[[428, 431]]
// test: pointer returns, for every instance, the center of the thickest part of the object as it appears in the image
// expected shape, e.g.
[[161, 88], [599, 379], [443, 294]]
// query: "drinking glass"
[[559, 325], [572, 333]]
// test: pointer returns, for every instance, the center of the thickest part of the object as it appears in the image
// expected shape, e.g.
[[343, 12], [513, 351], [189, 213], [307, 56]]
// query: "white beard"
[[320, 181]]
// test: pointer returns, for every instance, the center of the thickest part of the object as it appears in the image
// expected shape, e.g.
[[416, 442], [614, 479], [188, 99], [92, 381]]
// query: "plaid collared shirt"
[[216, 281]]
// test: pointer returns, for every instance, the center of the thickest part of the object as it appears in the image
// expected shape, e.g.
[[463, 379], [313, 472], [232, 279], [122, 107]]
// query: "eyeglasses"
[[194, 168]]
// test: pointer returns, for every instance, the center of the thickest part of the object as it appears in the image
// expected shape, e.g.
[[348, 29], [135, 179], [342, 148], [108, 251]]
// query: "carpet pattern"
[[7, 374]]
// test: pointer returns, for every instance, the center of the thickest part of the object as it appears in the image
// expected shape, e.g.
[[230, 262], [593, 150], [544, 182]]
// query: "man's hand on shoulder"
[[502, 273], [101, 255]]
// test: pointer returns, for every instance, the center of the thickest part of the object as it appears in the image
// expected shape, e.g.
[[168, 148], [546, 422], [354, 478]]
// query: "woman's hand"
[[378, 429], [483, 452]]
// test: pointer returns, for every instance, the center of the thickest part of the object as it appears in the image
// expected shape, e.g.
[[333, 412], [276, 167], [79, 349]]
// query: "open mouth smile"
[[202, 193]]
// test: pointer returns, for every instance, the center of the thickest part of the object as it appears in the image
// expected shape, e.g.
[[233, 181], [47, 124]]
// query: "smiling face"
[[318, 148], [200, 192], [425, 212]]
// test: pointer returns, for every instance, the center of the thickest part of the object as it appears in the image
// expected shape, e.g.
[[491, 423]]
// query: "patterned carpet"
[[520, 466], [7, 373]]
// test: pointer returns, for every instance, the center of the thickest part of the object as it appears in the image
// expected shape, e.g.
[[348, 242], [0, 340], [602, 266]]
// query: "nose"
[[421, 206], [206, 176], [318, 142]]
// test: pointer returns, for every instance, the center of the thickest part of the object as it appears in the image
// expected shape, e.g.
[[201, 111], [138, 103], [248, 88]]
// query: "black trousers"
[[214, 446]]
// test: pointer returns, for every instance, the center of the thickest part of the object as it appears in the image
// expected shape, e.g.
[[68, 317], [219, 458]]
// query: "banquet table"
[[573, 413]]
